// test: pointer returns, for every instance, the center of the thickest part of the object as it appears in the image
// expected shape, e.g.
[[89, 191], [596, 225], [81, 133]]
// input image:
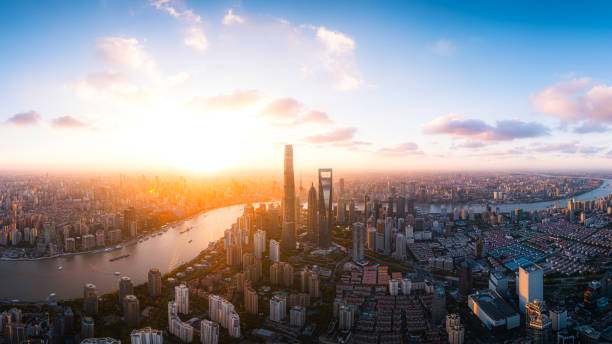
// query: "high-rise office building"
[[274, 251], [259, 243], [278, 308], [498, 282], [401, 206], [87, 327], [90, 299], [131, 310], [126, 287], [465, 279], [181, 296], [400, 246], [359, 232], [325, 207], [530, 285], [155, 282], [209, 332], [311, 221], [288, 203], [366, 210], [558, 317]]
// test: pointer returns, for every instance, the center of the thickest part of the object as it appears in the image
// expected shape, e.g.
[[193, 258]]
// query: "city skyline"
[[207, 87]]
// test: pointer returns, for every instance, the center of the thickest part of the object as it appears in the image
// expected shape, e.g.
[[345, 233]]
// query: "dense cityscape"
[[327, 172], [355, 260]]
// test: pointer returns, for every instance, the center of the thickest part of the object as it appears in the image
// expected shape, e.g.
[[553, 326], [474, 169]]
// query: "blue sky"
[[205, 86]]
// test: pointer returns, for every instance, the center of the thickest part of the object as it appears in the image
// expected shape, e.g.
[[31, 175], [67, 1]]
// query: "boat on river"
[[119, 257]]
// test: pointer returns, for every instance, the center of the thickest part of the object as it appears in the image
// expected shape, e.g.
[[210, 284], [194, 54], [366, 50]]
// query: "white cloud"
[[338, 58], [124, 52], [196, 39], [110, 83], [231, 18], [169, 6], [443, 47], [335, 42], [578, 100]]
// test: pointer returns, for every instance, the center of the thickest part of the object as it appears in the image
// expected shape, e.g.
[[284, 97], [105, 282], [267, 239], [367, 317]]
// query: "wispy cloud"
[[401, 149], [24, 119], [341, 134], [195, 37], [471, 144], [338, 58], [68, 122], [231, 18], [570, 147], [283, 110], [476, 129], [110, 83], [316, 117], [237, 100]]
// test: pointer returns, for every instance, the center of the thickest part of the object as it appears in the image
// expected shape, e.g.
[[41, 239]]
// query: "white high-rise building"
[[278, 308], [214, 307], [209, 332], [406, 285], [297, 316], [181, 329], [346, 317], [358, 241], [146, 335], [227, 308], [456, 334], [220, 310], [393, 287], [274, 251], [234, 325], [409, 234], [259, 243], [181, 296], [530, 285]]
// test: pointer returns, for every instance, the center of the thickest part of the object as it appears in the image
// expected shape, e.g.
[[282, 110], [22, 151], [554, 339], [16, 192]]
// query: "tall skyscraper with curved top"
[[325, 207], [288, 203]]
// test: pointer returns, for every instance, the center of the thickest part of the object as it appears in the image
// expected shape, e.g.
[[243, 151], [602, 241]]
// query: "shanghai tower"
[[288, 203]]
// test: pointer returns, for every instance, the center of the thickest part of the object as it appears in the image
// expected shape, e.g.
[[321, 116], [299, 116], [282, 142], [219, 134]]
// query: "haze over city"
[[208, 86]]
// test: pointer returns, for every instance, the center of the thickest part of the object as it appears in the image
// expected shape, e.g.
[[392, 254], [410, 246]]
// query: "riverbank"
[[162, 229], [34, 281]]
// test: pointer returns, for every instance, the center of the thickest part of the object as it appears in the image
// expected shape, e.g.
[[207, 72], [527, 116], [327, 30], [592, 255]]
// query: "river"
[[595, 194], [34, 280]]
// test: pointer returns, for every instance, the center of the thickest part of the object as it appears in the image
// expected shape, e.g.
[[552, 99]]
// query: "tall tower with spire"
[[288, 203]]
